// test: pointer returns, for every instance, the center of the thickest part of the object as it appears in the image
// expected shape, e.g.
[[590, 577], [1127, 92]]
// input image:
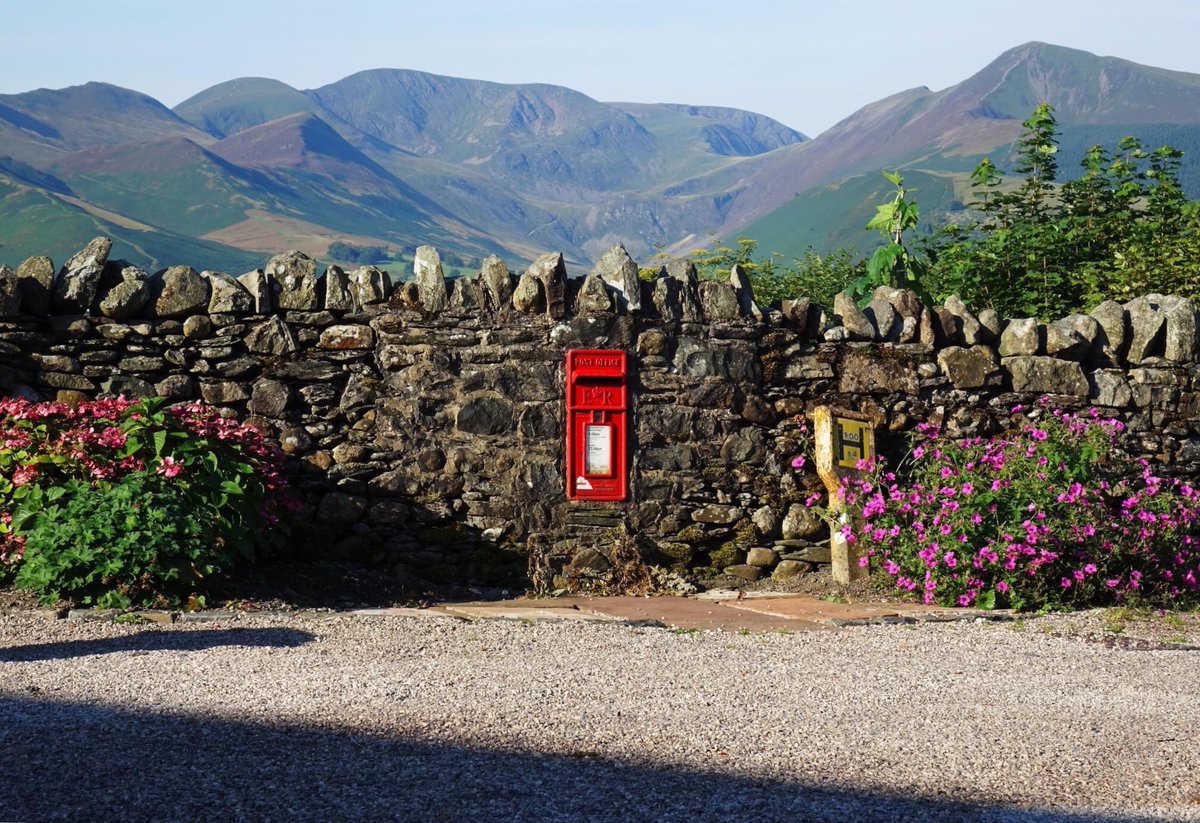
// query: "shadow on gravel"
[[80, 762], [154, 641]]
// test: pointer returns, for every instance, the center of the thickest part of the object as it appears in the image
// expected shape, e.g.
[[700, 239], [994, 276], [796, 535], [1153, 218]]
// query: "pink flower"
[[24, 474], [798, 462], [169, 467]]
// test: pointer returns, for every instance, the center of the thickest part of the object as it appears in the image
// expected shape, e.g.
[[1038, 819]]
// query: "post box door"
[[597, 402]]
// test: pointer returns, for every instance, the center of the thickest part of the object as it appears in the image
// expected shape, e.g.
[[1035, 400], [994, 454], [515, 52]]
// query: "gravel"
[[321, 716]]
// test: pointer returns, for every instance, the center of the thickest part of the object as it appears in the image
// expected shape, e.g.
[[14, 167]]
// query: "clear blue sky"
[[808, 64]]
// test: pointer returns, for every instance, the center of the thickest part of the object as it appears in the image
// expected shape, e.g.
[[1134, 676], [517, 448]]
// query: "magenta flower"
[[169, 467], [24, 474]]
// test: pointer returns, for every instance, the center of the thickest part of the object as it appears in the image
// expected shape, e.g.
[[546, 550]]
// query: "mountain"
[[237, 105], [45, 124], [397, 158], [1096, 100]]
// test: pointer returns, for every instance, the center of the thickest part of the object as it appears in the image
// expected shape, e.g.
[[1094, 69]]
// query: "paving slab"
[[510, 611], [805, 607], [733, 594], [689, 614], [401, 611], [718, 611]]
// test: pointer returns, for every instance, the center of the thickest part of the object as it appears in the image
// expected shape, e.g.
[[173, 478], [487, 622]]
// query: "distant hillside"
[[36, 221], [237, 105], [398, 158], [46, 124], [1096, 100]]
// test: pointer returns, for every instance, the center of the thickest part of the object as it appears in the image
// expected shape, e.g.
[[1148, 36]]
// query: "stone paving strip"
[[713, 611]]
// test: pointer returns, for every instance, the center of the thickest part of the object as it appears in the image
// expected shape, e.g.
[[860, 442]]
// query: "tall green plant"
[[894, 264]]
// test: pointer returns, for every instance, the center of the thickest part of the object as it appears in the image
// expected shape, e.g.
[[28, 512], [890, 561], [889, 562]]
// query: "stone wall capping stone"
[[293, 279]]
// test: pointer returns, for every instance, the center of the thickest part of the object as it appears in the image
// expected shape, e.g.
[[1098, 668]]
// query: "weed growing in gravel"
[[1045, 516], [117, 503]]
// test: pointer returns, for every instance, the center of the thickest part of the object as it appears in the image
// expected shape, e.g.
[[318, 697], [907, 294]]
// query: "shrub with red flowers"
[[1044, 516], [119, 503]]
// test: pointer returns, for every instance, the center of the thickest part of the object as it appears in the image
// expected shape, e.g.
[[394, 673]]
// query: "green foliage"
[[816, 276], [894, 264], [1123, 227], [362, 255], [135, 543], [820, 277], [73, 479]]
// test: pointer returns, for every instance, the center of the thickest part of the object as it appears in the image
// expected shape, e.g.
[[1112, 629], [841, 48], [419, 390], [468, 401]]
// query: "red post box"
[[597, 399]]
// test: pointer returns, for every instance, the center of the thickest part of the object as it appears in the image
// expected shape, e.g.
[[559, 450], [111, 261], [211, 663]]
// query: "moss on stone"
[[745, 532]]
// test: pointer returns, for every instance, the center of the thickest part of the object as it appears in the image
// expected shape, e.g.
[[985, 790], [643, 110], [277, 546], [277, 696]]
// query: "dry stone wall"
[[426, 418]]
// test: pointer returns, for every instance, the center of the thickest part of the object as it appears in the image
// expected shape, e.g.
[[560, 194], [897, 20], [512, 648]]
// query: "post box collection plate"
[[597, 424]]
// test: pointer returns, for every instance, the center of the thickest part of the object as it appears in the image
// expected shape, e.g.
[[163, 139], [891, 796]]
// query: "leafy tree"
[[1038, 249], [363, 255]]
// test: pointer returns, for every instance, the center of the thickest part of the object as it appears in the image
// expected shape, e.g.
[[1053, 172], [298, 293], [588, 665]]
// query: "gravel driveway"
[[339, 717]]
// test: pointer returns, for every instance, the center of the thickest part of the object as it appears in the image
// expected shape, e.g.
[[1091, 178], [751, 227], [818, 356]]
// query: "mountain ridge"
[[398, 157]]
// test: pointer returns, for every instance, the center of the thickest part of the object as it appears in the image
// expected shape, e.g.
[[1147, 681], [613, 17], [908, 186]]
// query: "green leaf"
[[882, 221], [894, 178], [986, 600]]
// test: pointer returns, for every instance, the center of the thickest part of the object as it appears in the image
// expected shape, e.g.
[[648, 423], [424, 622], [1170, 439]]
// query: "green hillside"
[[833, 217], [236, 105], [34, 221]]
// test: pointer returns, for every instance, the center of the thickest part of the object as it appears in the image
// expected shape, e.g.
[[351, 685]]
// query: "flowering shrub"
[[1045, 516], [128, 503]]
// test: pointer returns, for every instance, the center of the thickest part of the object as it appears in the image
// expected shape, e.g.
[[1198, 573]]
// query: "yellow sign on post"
[[853, 442], [843, 440]]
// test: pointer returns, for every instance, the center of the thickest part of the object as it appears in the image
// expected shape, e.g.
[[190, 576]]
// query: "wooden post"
[[843, 439]]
